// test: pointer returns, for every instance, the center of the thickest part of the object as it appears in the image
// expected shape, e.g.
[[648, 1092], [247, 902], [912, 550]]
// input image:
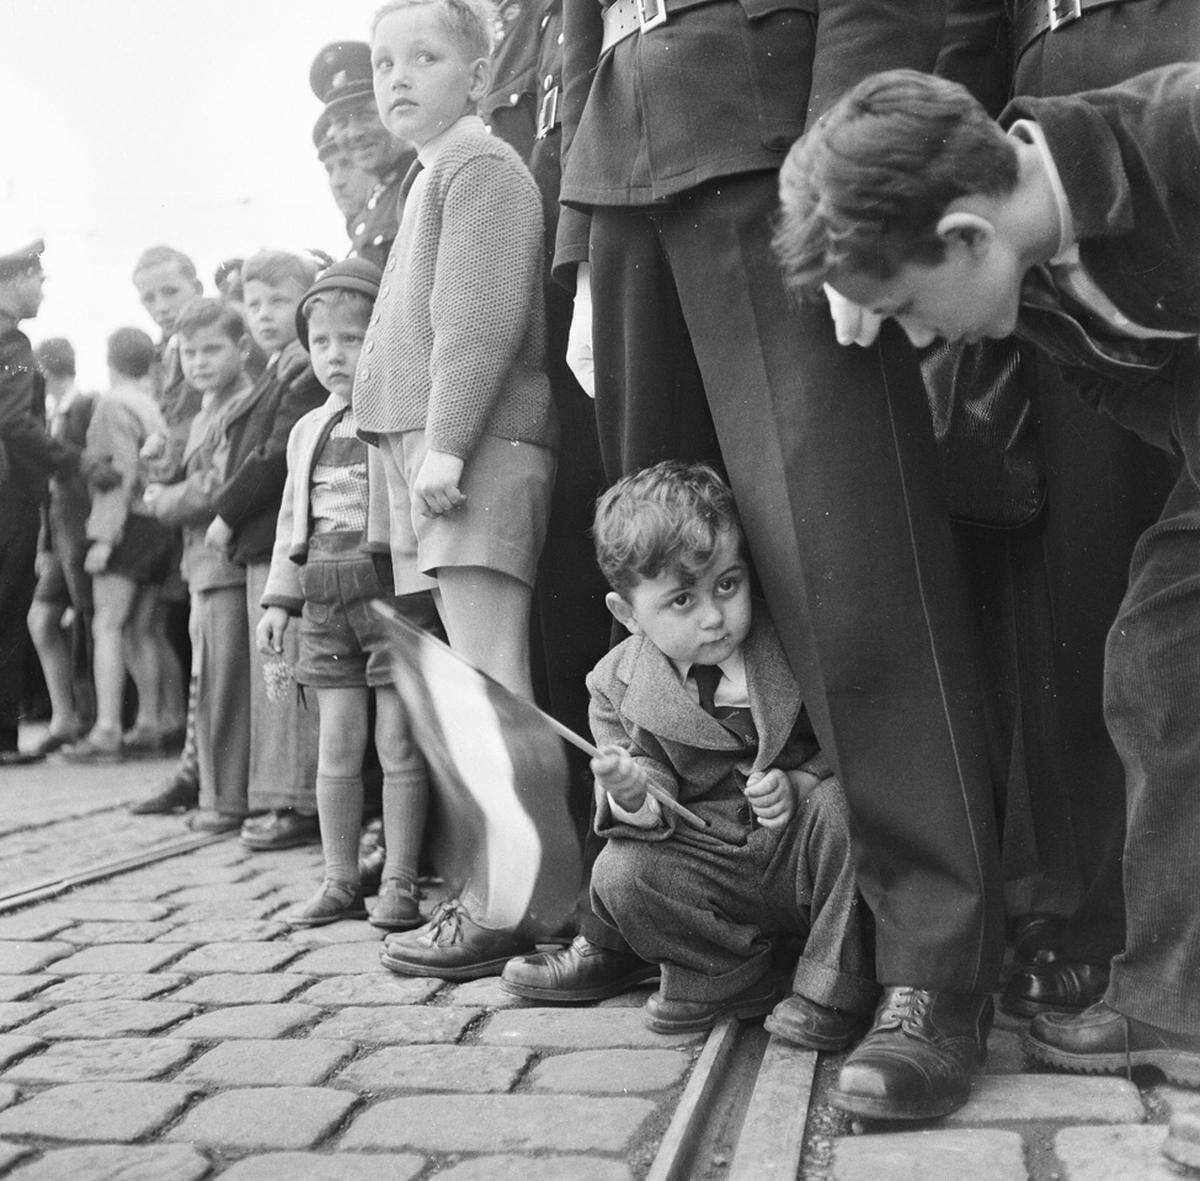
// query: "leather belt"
[[1035, 17], [623, 18]]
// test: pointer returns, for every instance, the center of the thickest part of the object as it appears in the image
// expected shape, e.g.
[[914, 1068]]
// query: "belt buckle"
[[651, 14], [1063, 12], [548, 112]]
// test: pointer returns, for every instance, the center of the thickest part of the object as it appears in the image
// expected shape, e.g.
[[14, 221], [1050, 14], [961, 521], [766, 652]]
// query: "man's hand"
[[852, 324], [268, 634], [96, 559], [436, 487], [579, 338], [618, 774], [770, 796], [218, 535]]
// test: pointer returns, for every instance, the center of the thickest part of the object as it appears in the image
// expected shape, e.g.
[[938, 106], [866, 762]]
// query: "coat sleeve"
[[583, 34], [489, 267], [113, 435], [856, 38], [29, 447], [283, 579], [608, 728]]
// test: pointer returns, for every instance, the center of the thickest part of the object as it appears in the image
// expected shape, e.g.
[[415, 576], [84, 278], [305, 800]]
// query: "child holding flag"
[[320, 572]]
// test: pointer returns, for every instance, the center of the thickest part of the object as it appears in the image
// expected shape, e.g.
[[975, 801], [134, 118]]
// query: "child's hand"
[[618, 774], [95, 561], [154, 446], [151, 493], [770, 796], [436, 487], [268, 634], [218, 535], [852, 323]]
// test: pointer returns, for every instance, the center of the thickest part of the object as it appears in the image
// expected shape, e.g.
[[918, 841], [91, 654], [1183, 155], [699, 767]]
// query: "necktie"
[[707, 678]]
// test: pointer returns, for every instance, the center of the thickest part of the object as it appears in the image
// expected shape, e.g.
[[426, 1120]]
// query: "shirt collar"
[[1029, 131], [428, 151], [733, 668]]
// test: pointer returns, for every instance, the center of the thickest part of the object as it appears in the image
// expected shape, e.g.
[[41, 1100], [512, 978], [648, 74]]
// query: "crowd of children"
[[403, 424]]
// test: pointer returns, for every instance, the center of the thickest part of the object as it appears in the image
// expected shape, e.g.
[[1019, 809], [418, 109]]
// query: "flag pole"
[[663, 797]]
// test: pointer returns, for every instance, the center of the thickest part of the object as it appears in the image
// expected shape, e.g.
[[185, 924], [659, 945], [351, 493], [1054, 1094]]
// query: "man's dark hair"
[[131, 353], [55, 357]]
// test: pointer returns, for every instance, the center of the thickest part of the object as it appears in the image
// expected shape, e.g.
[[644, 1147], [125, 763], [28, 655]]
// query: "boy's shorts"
[[343, 643], [145, 552], [502, 525]]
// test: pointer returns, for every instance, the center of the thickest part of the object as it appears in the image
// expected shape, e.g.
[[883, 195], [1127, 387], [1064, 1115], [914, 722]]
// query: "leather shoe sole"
[[576, 974], [664, 1016], [1102, 1041], [288, 830], [802, 1022]]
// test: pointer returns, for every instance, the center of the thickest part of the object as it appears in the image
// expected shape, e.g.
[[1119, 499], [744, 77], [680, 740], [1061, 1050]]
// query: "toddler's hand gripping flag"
[[498, 776]]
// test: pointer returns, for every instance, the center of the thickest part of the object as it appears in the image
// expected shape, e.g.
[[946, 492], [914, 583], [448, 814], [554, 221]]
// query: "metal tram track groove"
[[742, 1115], [27, 893]]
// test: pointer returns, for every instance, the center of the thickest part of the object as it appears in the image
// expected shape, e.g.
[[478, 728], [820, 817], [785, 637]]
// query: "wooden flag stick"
[[665, 798]]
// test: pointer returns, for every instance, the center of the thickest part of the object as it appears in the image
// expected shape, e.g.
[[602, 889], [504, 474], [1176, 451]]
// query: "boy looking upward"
[[700, 701], [1074, 222], [452, 382]]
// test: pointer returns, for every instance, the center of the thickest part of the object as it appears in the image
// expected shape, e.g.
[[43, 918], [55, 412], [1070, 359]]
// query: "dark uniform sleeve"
[[30, 453]]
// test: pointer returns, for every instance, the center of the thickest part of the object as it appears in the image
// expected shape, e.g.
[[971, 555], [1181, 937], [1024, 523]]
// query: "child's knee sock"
[[339, 809], [405, 803]]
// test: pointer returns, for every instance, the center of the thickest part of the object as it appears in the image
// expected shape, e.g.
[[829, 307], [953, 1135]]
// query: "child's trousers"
[[706, 911], [222, 663]]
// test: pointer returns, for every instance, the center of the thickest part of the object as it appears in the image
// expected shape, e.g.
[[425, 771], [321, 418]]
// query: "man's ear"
[[969, 229], [622, 612]]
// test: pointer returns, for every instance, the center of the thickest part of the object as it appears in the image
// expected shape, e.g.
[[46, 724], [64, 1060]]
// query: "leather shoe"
[[282, 828], [451, 946], [803, 1022], [668, 1016], [1056, 986], [917, 1060], [1037, 937], [180, 794], [210, 820], [330, 904], [1182, 1144], [19, 758], [580, 972], [1102, 1041]]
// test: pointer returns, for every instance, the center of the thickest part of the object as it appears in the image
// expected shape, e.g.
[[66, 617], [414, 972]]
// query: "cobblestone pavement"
[[164, 1024]]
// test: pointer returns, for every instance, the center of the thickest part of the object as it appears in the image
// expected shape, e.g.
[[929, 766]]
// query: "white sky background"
[[128, 123]]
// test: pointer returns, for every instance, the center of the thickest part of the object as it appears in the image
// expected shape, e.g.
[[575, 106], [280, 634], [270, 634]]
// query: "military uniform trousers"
[[830, 454], [705, 911]]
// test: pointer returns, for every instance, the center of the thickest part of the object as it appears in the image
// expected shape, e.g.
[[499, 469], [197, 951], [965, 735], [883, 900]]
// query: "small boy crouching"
[[700, 701], [319, 570]]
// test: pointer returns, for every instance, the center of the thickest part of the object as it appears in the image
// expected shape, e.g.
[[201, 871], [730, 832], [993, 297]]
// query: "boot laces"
[[906, 1009], [445, 923]]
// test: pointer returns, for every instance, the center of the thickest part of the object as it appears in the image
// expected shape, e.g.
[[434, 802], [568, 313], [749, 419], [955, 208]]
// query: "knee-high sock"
[[339, 809]]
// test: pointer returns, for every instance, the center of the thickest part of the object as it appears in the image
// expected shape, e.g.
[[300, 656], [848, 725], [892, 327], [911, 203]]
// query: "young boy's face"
[[270, 312], [693, 619], [424, 80], [335, 338], [211, 359], [975, 291], [164, 291]]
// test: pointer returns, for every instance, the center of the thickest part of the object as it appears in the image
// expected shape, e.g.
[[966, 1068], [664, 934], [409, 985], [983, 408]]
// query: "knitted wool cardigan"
[[457, 340]]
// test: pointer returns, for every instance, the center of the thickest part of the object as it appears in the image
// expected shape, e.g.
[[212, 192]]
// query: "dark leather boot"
[[919, 1056]]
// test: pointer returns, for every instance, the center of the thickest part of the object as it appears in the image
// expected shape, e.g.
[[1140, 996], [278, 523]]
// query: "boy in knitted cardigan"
[[452, 382]]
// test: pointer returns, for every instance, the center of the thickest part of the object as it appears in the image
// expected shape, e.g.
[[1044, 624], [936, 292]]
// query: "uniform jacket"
[[27, 452], [723, 87], [258, 430], [373, 229], [639, 702], [1129, 160]]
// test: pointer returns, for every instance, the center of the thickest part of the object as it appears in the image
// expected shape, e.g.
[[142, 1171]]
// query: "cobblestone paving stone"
[[170, 1025]]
